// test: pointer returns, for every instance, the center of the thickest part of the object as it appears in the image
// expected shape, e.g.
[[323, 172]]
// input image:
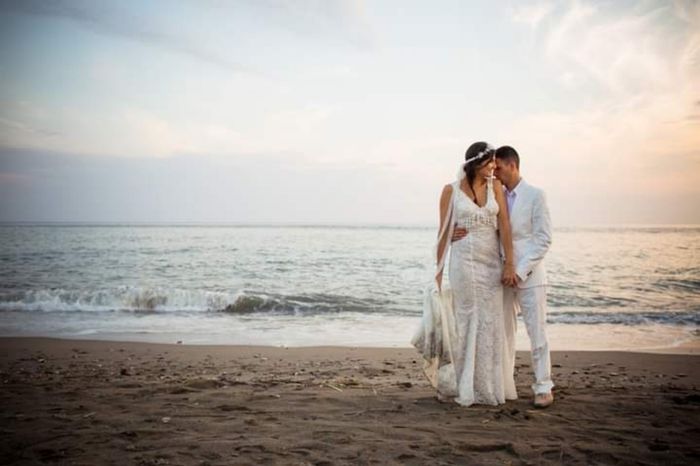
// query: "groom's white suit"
[[532, 236]]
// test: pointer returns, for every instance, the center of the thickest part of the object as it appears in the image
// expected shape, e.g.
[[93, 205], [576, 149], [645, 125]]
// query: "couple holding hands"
[[494, 233]]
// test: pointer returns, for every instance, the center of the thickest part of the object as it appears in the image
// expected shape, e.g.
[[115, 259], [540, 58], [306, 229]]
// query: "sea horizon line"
[[278, 224]]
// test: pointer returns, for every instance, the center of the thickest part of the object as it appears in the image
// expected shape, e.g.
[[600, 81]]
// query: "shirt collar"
[[515, 190]]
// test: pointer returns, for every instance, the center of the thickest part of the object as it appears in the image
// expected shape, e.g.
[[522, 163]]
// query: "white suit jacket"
[[532, 234]]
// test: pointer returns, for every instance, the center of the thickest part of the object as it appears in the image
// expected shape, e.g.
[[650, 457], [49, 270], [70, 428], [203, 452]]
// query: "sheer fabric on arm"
[[436, 336]]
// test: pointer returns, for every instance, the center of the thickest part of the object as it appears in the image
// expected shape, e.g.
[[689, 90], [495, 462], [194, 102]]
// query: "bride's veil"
[[436, 334]]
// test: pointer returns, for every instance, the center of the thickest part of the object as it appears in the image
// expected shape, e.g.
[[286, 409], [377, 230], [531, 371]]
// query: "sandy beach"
[[83, 402]]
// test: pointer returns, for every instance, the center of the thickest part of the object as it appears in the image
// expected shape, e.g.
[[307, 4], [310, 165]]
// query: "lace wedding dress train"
[[463, 340]]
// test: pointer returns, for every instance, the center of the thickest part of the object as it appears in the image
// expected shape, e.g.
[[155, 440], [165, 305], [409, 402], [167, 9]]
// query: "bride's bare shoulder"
[[446, 191], [446, 194]]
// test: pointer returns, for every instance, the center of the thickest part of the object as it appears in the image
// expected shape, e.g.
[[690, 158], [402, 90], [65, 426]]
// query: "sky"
[[344, 111]]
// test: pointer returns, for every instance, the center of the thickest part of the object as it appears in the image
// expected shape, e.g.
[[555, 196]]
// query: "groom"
[[532, 235]]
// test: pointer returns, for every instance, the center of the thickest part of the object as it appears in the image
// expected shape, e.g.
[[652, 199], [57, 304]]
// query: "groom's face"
[[505, 170]]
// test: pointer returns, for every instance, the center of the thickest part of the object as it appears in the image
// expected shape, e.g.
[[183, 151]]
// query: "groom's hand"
[[459, 233]]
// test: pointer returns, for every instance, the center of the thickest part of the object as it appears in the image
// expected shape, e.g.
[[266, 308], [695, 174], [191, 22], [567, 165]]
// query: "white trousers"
[[532, 304]]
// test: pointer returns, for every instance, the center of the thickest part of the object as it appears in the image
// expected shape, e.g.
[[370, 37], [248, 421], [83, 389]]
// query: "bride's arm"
[[509, 277], [445, 199]]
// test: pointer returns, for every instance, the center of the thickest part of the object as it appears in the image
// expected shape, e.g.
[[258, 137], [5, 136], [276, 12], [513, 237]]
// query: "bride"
[[476, 353]]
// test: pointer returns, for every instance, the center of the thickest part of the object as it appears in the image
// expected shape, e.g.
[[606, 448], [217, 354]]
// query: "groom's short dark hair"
[[509, 154]]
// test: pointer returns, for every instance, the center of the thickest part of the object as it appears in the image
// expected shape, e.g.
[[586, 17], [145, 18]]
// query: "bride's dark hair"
[[472, 167]]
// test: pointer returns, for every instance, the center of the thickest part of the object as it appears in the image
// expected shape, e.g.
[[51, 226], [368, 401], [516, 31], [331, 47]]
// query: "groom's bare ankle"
[[543, 400]]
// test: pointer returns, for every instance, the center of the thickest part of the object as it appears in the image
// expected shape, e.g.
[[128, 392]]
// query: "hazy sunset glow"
[[344, 111]]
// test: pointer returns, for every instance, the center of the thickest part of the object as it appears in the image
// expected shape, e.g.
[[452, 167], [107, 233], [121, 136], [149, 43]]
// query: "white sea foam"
[[317, 285]]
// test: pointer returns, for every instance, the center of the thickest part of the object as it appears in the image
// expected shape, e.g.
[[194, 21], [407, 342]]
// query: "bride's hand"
[[509, 278]]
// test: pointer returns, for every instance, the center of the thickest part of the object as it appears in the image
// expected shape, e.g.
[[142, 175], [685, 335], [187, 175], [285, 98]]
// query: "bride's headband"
[[461, 174], [487, 149]]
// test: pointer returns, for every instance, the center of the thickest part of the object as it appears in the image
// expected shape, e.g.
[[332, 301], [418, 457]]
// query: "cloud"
[[11, 178], [347, 20], [630, 136], [531, 14], [289, 131], [156, 135], [10, 125], [109, 18], [626, 53], [128, 129], [687, 10], [643, 62], [68, 187]]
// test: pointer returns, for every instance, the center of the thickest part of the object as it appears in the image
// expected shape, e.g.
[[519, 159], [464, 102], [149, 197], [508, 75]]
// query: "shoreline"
[[669, 339], [688, 348], [78, 401]]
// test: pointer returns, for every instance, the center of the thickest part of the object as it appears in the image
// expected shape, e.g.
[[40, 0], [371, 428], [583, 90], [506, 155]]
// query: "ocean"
[[610, 287]]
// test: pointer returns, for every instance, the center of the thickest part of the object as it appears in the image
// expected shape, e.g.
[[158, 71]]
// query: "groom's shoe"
[[543, 400]]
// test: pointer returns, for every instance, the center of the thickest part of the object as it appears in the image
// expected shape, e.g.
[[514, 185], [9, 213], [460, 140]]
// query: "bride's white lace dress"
[[475, 271]]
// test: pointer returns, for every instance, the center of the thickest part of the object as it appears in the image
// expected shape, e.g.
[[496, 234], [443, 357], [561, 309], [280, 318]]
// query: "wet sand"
[[83, 402]]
